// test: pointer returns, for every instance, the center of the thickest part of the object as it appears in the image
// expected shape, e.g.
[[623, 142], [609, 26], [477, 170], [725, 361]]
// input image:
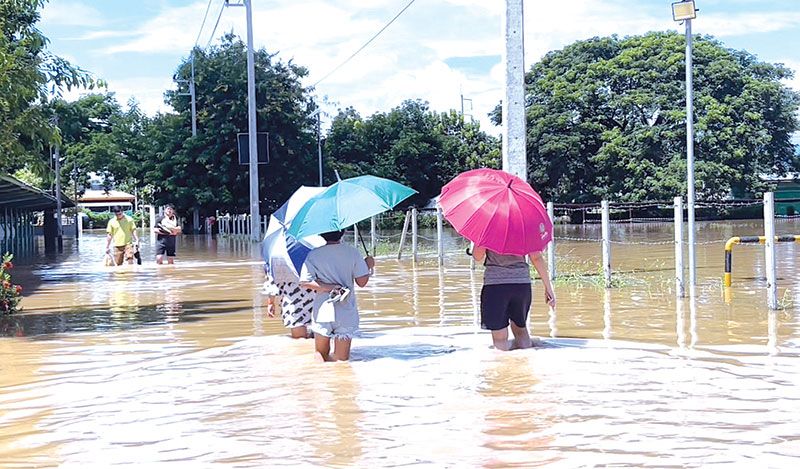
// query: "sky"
[[437, 50]]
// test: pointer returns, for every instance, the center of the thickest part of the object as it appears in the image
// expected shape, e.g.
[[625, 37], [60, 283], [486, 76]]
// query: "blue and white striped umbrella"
[[279, 248]]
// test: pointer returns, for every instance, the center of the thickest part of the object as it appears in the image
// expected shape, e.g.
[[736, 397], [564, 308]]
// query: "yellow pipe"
[[729, 244]]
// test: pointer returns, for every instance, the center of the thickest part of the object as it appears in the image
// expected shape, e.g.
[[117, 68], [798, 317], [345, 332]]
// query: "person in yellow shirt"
[[122, 231]]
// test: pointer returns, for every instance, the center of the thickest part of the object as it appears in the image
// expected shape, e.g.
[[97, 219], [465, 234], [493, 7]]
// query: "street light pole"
[[690, 154], [319, 145], [686, 11]]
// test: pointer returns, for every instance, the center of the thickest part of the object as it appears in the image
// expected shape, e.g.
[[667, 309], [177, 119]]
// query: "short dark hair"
[[169, 206], [333, 235], [116, 209]]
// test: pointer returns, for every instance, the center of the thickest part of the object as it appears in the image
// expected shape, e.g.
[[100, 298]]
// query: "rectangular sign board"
[[243, 143]]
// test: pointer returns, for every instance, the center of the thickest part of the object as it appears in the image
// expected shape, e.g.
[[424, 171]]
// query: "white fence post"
[[403, 235], [551, 247], [606, 232], [439, 235], [769, 249], [355, 235], [414, 234], [373, 233], [680, 289]]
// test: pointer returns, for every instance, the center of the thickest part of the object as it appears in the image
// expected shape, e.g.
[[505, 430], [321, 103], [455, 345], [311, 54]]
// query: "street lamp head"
[[685, 10]]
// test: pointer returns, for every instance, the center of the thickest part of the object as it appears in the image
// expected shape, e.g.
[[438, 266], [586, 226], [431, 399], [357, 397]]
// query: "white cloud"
[[727, 24], [409, 59], [794, 65], [148, 93], [70, 13]]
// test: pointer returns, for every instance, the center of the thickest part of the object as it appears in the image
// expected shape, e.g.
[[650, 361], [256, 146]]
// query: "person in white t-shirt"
[[167, 229], [332, 271]]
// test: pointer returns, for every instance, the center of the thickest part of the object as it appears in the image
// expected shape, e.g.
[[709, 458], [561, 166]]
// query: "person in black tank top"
[[506, 295]]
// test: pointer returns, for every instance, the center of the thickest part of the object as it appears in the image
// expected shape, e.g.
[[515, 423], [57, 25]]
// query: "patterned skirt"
[[296, 304]]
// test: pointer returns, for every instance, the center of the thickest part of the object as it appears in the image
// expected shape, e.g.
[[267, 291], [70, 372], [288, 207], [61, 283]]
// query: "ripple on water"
[[429, 396]]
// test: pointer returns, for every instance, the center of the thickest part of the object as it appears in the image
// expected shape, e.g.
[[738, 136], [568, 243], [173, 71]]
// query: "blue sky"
[[436, 51]]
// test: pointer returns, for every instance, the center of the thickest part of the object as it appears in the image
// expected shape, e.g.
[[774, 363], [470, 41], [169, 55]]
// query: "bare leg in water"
[[341, 351], [522, 339]]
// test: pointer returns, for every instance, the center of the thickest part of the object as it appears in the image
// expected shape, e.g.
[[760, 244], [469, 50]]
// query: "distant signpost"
[[244, 148]]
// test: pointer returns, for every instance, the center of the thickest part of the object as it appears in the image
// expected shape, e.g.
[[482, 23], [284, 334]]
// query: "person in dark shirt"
[[167, 229]]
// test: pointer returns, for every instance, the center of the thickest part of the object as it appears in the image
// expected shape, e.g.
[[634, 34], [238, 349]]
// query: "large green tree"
[[98, 136], [204, 171], [409, 144], [29, 76], [606, 120]]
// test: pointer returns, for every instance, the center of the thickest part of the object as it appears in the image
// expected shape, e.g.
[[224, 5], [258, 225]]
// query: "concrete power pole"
[[514, 147], [255, 213]]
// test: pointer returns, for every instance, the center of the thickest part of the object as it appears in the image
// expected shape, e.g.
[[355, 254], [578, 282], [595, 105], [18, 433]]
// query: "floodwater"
[[180, 366]]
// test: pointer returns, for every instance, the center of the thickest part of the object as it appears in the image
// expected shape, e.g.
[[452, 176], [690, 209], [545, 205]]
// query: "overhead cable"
[[365, 44]]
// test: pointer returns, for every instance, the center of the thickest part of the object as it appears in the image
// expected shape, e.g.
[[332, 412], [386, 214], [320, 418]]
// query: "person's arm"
[[364, 279], [479, 253], [308, 280], [541, 267], [134, 233], [318, 286], [109, 236]]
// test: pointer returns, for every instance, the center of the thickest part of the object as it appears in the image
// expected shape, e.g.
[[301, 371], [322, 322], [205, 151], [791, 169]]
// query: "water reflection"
[[692, 317], [474, 296], [607, 314], [441, 296], [552, 322], [680, 323], [772, 333], [512, 430], [334, 412]]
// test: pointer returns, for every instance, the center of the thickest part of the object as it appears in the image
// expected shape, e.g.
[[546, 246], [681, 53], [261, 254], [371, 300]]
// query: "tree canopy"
[[409, 144], [606, 120], [204, 171], [29, 75]]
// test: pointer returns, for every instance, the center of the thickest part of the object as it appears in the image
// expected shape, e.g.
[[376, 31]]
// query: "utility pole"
[[514, 147], [255, 213], [319, 145], [463, 110], [59, 226], [193, 95], [318, 115]]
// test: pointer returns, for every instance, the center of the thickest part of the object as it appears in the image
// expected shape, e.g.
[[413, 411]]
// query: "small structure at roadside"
[[20, 207], [787, 189], [99, 200]]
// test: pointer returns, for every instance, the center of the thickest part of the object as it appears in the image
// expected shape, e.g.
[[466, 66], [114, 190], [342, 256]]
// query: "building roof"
[[18, 195], [93, 195], [788, 177]]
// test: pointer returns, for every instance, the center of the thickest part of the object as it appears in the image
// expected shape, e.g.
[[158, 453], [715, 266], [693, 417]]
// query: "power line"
[[365, 44], [205, 16], [219, 16]]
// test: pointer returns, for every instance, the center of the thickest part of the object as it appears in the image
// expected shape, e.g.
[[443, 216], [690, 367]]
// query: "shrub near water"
[[10, 294]]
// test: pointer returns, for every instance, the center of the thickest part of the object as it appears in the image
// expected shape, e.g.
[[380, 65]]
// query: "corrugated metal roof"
[[92, 195], [16, 194]]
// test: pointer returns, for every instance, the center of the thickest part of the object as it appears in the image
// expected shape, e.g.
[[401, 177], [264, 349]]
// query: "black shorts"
[[501, 303], [165, 245]]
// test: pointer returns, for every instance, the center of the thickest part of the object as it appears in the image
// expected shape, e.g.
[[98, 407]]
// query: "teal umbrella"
[[346, 203]]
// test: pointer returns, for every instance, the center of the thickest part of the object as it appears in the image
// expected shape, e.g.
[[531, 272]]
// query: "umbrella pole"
[[362, 241]]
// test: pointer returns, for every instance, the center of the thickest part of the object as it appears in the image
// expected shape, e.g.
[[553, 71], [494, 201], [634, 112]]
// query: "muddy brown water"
[[180, 366]]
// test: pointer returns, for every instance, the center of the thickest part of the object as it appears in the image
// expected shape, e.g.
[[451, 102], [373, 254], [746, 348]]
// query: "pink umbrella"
[[498, 211]]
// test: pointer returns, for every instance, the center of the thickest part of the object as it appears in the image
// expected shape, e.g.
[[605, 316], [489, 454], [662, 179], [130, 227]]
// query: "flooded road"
[[180, 366]]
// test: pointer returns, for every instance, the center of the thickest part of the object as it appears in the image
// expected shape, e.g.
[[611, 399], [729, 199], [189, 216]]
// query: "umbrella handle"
[[362, 241]]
